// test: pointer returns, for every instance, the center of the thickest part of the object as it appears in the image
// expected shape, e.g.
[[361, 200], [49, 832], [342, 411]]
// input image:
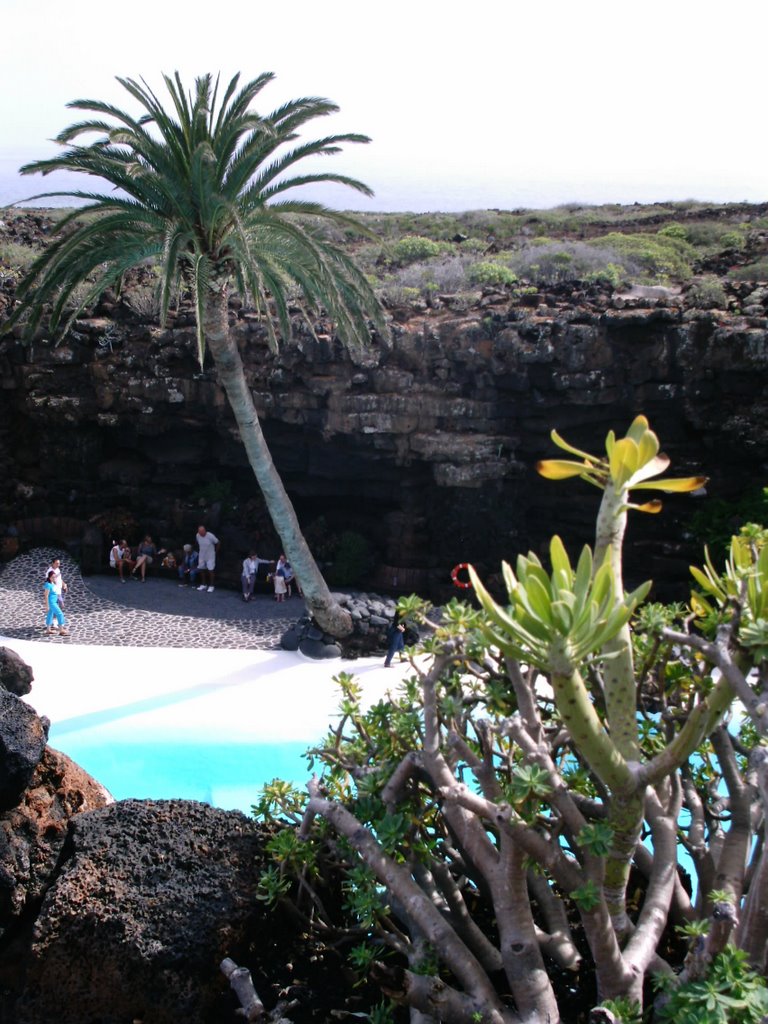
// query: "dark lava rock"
[[151, 896], [318, 649], [15, 674], [32, 834], [22, 741]]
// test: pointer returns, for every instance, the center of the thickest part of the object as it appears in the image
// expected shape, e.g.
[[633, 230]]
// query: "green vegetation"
[[491, 272], [717, 521], [730, 993], [708, 293], [657, 257], [352, 559], [515, 811], [756, 271], [16, 256], [413, 248], [410, 258]]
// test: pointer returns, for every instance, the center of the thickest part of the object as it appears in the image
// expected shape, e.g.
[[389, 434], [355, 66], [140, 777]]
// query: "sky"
[[495, 103]]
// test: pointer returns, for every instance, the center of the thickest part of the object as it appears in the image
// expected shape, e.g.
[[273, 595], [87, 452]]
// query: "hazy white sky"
[[492, 103]]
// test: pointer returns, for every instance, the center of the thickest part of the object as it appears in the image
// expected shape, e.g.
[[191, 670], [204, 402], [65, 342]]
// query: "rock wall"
[[427, 446]]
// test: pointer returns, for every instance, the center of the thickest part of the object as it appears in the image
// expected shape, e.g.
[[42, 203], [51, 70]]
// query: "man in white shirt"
[[59, 586], [250, 570], [208, 543]]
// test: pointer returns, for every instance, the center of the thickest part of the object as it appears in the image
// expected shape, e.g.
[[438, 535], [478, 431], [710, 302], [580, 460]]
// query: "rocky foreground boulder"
[[22, 740], [148, 899], [32, 833], [121, 913], [15, 674]]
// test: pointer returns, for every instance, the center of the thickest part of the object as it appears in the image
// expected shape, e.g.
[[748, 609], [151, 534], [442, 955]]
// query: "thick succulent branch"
[[753, 926], [641, 947], [418, 908], [588, 732]]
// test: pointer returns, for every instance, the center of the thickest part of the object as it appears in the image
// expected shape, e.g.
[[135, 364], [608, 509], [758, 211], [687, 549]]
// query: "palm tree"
[[200, 188]]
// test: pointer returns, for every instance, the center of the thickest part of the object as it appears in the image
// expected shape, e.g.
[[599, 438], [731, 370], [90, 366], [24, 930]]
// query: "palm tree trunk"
[[328, 614]]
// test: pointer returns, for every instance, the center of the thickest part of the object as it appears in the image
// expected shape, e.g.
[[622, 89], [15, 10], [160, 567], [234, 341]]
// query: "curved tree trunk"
[[229, 367]]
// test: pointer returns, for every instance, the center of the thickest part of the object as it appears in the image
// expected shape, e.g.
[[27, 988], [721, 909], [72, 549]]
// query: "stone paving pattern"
[[101, 610]]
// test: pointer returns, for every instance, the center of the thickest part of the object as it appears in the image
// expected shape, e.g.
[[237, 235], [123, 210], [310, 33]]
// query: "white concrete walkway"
[[112, 705]]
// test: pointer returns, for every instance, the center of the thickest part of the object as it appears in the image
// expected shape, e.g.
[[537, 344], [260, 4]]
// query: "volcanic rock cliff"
[[425, 444]]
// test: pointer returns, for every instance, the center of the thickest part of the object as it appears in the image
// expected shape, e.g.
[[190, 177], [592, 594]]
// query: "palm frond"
[[201, 184]]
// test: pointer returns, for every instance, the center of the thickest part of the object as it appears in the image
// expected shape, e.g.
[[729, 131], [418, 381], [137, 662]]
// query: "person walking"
[[395, 639], [59, 585], [208, 544], [53, 609]]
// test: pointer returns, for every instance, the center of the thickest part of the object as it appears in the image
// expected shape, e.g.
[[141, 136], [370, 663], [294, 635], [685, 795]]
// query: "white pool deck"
[[127, 697]]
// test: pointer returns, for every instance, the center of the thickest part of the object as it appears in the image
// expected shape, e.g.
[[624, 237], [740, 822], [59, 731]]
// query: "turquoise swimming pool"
[[226, 775]]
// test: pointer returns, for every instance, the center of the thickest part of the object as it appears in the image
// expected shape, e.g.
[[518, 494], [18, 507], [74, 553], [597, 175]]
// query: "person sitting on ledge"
[[145, 555], [188, 567], [120, 556]]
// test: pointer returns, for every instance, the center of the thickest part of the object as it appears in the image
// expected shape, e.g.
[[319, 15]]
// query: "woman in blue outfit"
[[52, 607]]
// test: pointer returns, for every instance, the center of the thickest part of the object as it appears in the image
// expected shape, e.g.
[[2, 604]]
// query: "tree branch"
[[417, 906]]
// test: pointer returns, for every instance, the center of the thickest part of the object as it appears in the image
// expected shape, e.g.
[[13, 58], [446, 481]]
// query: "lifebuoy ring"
[[462, 584]]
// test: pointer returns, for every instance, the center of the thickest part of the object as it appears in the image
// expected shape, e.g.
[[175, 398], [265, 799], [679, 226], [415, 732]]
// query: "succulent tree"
[[516, 827]]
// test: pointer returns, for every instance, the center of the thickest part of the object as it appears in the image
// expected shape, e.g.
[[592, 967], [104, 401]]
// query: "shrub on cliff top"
[[570, 261], [659, 257], [18, 257], [490, 273], [757, 271], [416, 247], [708, 293]]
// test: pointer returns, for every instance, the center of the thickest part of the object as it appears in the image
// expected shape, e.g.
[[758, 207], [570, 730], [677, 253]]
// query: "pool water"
[[226, 775], [208, 724]]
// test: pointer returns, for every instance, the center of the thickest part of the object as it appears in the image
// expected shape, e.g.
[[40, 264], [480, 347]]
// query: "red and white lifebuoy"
[[462, 584]]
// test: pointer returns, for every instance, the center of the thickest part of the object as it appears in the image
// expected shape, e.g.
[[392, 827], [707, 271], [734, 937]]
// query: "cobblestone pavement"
[[100, 610]]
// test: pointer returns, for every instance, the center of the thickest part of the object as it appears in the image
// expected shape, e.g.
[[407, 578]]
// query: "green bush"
[[17, 257], [612, 274], [713, 235], [473, 245], [708, 293], [735, 239], [489, 273], [675, 231], [659, 257], [757, 271], [717, 520], [731, 993], [352, 561], [555, 262], [415, 247]]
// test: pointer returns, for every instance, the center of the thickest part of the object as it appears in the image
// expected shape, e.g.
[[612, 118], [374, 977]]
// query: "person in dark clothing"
[[395, 639]]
